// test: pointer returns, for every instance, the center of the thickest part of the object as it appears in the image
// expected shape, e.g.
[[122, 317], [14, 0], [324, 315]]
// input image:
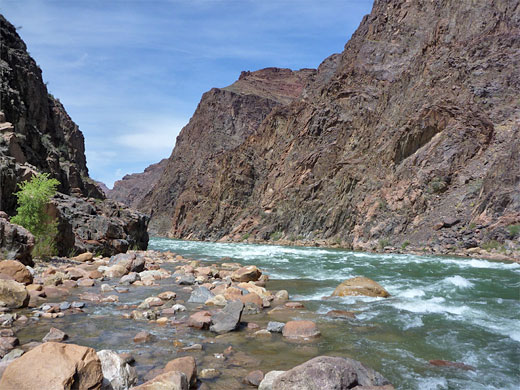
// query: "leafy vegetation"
[[405, 244], [33, 198], [514, 230], [491, 244], [275, 236], [245, 236], [383, 243]]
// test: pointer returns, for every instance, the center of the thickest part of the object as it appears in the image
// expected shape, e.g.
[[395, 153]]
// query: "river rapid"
[[457, 309]]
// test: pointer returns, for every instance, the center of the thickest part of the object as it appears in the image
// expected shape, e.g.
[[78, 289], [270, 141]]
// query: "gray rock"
[[131, 261], [267, 382], [200, 295], [178, 307], [16, 242], [117, 374], [187, 279], [65, 306], [326, 372], [56, 335], [129, 279], [13, 294], [78, 305], [228, 318], [275, 327], [15, 353]]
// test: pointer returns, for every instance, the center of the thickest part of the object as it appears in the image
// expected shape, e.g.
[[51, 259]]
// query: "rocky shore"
[[202, 304]]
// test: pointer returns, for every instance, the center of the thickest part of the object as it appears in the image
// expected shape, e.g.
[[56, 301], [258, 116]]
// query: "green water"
[[463, 310]]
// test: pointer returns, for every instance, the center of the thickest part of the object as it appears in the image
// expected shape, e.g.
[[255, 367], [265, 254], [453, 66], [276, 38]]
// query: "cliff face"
[[37, 135], [131, 189], [223, 120], [410, 136]]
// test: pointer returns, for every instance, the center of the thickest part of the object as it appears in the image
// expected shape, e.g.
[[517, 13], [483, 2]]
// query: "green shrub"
[[383, 243], [405, 244], [275, 236], [245, 236], [514, 230], [491, 244], [33, 197]]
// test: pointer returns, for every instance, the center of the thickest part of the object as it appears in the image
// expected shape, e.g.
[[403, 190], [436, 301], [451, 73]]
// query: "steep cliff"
[[411, 137], [37, 135]]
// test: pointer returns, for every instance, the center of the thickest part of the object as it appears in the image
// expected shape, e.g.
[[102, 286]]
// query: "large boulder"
[[267, 382], [16, 270], [16, 242], [360, 286], [117, 374], [246, 274], [200, 295], [185, 364], [172, 380], [300, 330], [326, 372], [54, 366], [131, 261], [13, 294], [228, 318]]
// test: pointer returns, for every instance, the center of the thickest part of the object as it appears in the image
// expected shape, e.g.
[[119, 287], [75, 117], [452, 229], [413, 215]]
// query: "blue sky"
[[131, 72]]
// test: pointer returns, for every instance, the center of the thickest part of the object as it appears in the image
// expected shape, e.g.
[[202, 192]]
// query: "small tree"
[[33, 198]]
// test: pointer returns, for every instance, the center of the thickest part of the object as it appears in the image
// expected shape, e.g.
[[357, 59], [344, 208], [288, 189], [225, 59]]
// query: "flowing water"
[[463, 310]]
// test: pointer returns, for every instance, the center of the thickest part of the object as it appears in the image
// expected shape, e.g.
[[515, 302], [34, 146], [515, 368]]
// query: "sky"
[[130, 73]]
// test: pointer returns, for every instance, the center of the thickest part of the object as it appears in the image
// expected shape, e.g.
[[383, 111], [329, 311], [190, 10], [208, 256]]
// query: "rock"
[[13, 354], [300, 330], [106, 288], [16, 270], [246, 274], [254, 378], [200, 320], [132, 277], [325, 372], [262, 333], [210, 373], [193, 347], [142, 337], [87, 256], [360, 286], [54, 366], [251, 298], [275, 327], [341, 314], [185, 365], [267, 382], [86, 282], [178, 307], [16, 242], [13, 294], [117, 373], [294, 305], [228, 318], [217, 300], [173, 380], [56, 335], [280, 297], [186, 280], [131, 261], [65, 306], [447, 363], [200, 295], [167, 295]]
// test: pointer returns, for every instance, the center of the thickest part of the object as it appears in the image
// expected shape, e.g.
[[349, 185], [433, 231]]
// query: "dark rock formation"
[[131, 189], [16, 243], [416, 121], [37, 135]]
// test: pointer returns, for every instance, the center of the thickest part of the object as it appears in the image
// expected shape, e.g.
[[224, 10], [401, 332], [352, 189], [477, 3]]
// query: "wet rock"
[[447, 363], [14, 354], [55, 292], [142, 337], [54, 366], [193, 347], [78, 305], [200, 295], [186, 365], [178, 307], [252, 298], [167, 295], [228, 318], [16, 270], [186, 280], [262, 333], [267, 382], [131, 261], [210, 373], [300, 330], [341, 314], [280, 297], [87, 256], [132, 277], [217, 300], [56, 335], [325, 372], [173, 380], [246, 274], [86, 283], [254, 378], [200, 320], [127, 357], [7, 343], [360, 286], [13, 294], [275, 327], [88, 296], [16, 242], [117, 373], [106, 288], [115, 271], [294, 305], [65, 306]]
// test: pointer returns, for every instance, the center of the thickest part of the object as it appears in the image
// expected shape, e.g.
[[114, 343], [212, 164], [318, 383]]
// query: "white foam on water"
[[458, 281], [412, 293], [432, 383], [318, 296], [433, 305], [413, 322]]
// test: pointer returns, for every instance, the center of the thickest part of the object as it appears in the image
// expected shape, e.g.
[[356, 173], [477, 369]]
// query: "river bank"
[[397, 336]]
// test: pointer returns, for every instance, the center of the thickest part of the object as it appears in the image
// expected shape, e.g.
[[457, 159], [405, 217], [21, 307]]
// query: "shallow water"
[[464, 310]]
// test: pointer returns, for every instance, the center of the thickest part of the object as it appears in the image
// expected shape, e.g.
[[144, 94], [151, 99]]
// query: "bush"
[[275, 236], [33, 198], [513, 230]]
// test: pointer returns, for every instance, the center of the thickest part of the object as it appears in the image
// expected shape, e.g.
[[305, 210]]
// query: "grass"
[[404, 245], [513, 230], [245, 236], [275, 236], [490, 245], [383, 243]]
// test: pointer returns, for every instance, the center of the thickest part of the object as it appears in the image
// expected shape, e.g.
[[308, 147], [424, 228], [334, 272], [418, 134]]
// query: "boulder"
[[16, 270], [87, 256], [246, 274], [55, 334], [254, 378], [275, 327], [200, 320], [200, 295], [326, 372], [13, 294], [186, 365], [300, 330], [360, 286], [54, 366], [131, 261], [173, 380], [228, 318], [267, 382], [117, 373], [16, 242], [142, 337]]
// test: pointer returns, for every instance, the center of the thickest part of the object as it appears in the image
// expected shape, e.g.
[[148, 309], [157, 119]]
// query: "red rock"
[[55, 334], [254, 378], [294, 305], [300, 330], [16, 270], [246, 274], [142, 337], [200, 320], [447, 363], [186, 365]]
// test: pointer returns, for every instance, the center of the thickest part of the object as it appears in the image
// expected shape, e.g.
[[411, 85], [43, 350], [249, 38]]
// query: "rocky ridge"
[[37, 135], [408, 140]]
